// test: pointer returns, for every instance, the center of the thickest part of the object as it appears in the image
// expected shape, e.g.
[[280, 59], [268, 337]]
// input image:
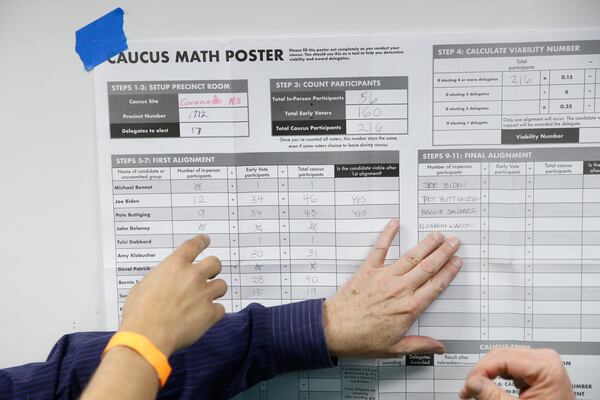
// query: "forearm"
[[63, 375], [242, 349], [123, 374], [248, 347]]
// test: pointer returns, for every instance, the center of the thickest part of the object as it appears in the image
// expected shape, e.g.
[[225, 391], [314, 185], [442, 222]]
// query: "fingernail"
[[457, 262], [393, 222], [437, 236], [453, 241], [475, 386], [440, 350]]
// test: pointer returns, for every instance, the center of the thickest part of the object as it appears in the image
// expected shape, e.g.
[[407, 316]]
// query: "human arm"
[[171, 308], [368, 317], [538, 374], [123, 374], [371, 315], [240, 350], [258, 343]]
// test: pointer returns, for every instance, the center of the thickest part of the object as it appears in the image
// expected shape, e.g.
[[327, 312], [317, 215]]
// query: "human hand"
[[173, 305], [371, 314], [538, 374]]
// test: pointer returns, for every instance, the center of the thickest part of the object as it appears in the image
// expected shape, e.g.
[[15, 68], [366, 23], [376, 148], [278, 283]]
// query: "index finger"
[[191, 248], [380, 249]]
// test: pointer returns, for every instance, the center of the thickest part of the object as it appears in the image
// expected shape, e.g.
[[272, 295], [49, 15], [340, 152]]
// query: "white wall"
[[50, 281]]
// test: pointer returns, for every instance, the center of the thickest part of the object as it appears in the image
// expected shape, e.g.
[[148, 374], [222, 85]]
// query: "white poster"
[[292, 154]]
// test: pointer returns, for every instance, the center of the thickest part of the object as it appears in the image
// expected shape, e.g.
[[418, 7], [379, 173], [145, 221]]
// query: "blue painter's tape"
[[101, 39]]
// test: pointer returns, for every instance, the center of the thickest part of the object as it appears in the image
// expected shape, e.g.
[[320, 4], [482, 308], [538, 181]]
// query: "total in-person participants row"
[[283, 212], [256, 199], [253, 185]]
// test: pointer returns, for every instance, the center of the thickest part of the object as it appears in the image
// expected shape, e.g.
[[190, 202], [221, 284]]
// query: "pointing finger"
[[190, 249]]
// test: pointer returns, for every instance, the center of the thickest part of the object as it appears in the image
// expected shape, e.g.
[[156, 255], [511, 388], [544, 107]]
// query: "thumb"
[[483, 389], [418, 345]]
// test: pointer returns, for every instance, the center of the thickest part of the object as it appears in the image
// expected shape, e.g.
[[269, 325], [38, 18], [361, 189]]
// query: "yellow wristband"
[[145, 348]]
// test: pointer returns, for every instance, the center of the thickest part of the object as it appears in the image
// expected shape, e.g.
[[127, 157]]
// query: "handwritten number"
[[369, 127]]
